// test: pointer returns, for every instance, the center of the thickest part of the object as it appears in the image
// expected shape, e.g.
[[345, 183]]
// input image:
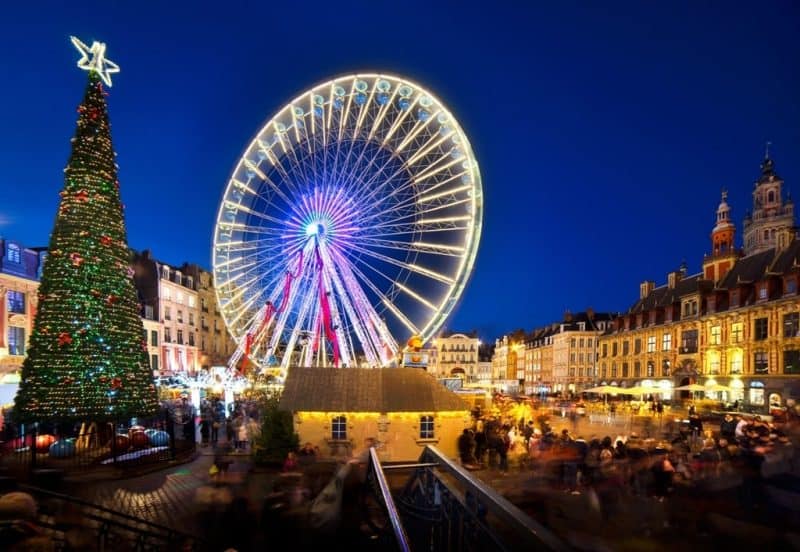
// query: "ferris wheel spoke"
[[414, 247], [413, 267], [386, 301]]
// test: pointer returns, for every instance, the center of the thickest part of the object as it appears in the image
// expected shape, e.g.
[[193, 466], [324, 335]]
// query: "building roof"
[[748, 269], [366, 390], [664, 296]]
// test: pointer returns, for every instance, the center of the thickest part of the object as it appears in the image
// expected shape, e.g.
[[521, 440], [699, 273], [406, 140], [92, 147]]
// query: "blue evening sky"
[[604, 130]]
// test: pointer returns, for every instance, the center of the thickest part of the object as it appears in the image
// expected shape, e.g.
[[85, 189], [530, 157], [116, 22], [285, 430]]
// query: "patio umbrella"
[[604, 389], [718, 387], [641, 390], [694, 387]]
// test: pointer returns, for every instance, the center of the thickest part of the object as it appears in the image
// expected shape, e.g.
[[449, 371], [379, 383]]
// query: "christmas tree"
[[87, 359]]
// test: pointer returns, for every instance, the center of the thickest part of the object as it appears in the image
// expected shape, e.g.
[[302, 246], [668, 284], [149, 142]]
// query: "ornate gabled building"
[[737, 323]]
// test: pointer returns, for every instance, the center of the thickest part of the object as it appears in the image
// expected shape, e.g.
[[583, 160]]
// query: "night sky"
[[604, 132]]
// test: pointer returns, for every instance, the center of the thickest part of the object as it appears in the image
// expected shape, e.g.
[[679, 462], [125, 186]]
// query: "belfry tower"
[[771, 215], [723, 238]]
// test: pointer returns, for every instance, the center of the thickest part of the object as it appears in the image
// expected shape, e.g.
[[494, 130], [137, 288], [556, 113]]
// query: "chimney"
[[567, 316], [673, 278], [645, 288], [590, 313]]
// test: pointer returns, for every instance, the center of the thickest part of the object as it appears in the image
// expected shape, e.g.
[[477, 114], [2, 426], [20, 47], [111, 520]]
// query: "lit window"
[[762, 292], [339, 428], [666, 342], [179, 298], [165, 272], [167, 294], [16, 341], [716, 335], [737, 332], [13, 253], [651, 344], [426, 427], [791, 325], [191, 301], [15, 301], [736, 363]]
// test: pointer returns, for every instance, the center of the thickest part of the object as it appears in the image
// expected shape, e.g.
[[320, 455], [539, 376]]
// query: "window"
[[637, 369], [180, 337], [651, 369], [589, 342], [191, 319], [637, 346], [791, 324], [572, 342], [203, 305], [180, 316], [605, 350], [613, 369], [760, 330], [665, 368], [203, 342], [651, 344], [736, 363], [791, 286], [179, 298], [154, 363], [15, 301], [757, 394], [572, 358], [426, 427], [666, 342], [689, 341], [580, 358], [737, 332], [625, 348], [614, 349], [13, 253], [189, 282], [148, 312], [167, 336], [339, 428], [624, 369], [603, 371], [760, 362], [167, 313], [791, 362], [762, 291], [167, 294], [713, 364], [16, 341], [580, 342], [154, 338], [191, 301], [191, 339], [716, 335]]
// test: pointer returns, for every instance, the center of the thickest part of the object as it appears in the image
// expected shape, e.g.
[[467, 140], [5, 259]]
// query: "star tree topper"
[[94, 59]]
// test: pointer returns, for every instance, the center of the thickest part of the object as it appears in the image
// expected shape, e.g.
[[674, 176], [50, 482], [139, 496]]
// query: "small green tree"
[[277, 438]]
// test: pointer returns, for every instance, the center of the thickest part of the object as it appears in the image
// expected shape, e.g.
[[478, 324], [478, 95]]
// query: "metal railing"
[[109, 529], [380, 487], [446, 508]]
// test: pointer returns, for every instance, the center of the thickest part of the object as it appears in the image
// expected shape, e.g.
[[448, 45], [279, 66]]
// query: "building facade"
[[214, 342], [20, 270], [734, 324], [456, 355]]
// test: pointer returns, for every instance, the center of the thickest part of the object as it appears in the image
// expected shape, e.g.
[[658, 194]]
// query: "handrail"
[[154, 526], [527, 528], [388, 501]]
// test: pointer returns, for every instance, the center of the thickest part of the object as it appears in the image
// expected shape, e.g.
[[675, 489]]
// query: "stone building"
[[405, 409], [736, 323], [20, 270], [456, 355]]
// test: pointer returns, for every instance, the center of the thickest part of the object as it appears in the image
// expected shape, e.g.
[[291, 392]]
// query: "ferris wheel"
[[350, 223]]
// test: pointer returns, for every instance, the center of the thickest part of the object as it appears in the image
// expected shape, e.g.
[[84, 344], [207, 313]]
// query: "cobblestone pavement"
[[168, 497]]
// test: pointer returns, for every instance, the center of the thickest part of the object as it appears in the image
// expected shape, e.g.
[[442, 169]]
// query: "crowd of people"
[[744, 450]]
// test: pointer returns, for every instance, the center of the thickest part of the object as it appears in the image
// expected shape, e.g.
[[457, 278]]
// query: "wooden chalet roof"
[[366, 390]]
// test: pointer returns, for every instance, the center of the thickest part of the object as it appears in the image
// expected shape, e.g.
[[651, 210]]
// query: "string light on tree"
[[85, 359]]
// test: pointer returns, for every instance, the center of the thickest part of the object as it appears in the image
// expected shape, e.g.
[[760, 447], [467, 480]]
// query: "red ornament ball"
[[43, 443], [139, 439], [64, 339], [122, 442], [105, 240]]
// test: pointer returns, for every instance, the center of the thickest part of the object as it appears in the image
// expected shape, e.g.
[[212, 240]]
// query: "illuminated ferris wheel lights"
[[326, 218]]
